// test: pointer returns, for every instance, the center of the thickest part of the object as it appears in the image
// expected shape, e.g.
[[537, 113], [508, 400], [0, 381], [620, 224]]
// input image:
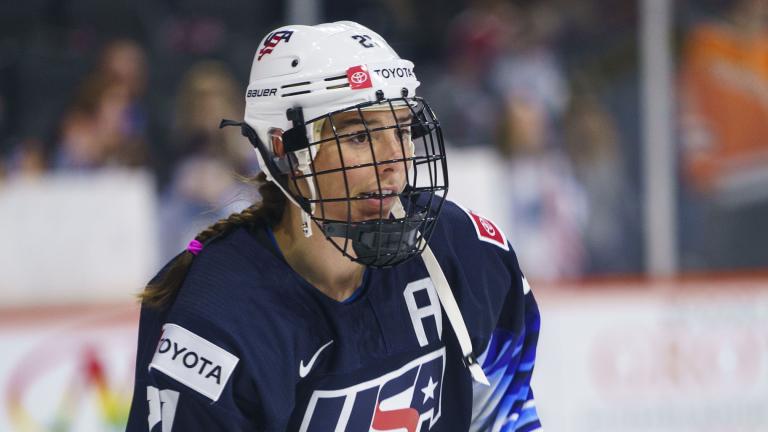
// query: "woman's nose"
[[390, 147]]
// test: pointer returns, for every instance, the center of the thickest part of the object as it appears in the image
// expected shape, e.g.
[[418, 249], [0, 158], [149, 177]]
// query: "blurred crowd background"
[[111, 160], [551, 86]]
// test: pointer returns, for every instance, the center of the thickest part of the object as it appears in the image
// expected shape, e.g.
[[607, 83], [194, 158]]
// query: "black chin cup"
[[380, 243]]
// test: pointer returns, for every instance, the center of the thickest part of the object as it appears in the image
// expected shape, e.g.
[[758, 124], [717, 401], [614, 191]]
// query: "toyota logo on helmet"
[[359, 77]]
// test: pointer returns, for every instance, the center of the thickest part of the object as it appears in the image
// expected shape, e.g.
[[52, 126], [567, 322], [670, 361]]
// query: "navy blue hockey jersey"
[[249, 345]]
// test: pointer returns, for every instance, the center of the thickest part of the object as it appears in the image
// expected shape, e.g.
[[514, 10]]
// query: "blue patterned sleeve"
[[508, 405]]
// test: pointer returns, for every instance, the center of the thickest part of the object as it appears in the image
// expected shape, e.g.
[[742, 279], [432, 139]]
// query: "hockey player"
[[340, 302]]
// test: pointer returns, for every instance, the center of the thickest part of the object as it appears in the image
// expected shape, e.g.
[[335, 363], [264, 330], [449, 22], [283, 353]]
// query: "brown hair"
[[161, 290]]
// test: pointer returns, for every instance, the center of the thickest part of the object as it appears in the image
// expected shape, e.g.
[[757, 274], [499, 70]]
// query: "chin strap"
[[296, 141], [450, 306], [306, 224]]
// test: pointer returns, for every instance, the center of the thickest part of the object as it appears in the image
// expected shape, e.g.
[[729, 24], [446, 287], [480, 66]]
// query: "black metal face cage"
[[386, 240]]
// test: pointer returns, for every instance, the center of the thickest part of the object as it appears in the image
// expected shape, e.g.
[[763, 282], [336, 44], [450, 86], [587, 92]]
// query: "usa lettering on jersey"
[[408, 398], [193, 361]]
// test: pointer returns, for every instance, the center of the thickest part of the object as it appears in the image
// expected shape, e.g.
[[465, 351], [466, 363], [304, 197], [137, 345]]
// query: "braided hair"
[[161, 290]]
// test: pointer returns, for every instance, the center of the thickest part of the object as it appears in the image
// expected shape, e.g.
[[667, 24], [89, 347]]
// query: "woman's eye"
[[360, 138], [404, 133]]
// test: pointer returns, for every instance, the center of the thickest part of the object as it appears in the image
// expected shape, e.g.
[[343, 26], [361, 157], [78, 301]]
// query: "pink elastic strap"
[[194, 247]]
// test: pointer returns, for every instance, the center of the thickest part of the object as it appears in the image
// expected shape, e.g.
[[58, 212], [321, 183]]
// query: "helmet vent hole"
[[295, 63], [297, 93], [333, 78], [296, 84], [337, 86]]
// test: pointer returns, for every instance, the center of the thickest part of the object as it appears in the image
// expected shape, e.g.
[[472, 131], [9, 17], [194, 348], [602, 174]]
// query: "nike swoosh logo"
[[304, 369]]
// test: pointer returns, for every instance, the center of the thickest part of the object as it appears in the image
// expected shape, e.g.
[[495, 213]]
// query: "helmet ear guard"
[[295, 138], [274, 165]]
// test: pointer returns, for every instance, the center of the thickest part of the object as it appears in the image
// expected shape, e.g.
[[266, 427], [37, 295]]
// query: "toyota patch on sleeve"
[[193, 361]]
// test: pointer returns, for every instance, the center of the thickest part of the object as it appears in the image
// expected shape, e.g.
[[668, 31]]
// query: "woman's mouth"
[[375, 201]]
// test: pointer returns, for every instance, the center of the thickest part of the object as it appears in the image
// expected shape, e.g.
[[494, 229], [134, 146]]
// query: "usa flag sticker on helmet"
[[359, 77], [271, 41], [486, 230]]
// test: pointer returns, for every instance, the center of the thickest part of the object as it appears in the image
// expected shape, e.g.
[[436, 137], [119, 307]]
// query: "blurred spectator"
[[26, 159], [106, 123], [3, 135], [725, 98], [724, 126], [548, 205], [462, 92], [124, 62], [209, 161], [20, 155], [594, 148], [4, 126], [209, 92]]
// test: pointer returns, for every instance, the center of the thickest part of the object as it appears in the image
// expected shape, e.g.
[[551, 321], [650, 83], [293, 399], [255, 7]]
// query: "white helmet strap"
[[451, 308], [305, 159]]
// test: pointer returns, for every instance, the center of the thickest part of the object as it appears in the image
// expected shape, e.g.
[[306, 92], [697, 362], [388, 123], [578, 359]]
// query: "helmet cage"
[[390, 238]]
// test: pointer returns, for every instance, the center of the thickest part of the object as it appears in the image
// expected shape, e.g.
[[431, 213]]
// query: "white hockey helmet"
[[300, 77]]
